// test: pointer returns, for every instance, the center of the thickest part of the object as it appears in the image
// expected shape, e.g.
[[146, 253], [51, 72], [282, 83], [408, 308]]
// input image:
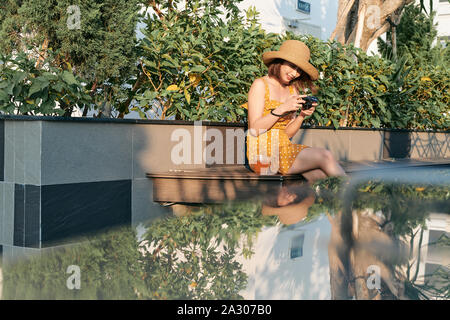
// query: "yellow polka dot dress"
[[274, 143]]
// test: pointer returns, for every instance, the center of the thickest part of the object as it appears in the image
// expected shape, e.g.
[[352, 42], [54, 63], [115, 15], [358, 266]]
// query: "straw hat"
[[295, 52], [292, 213]]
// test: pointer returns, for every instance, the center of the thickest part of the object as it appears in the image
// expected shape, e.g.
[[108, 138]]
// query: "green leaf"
[[3, 95], [10, 88], [19, 77], [3, 84], [187, 95], [150, 95], [59, 86], [378, 188], [335, 123], [47, 106], [50, 76], [69, 78], [375, 122], [36, 87], [186, 112], [197, 69], [384, 79]]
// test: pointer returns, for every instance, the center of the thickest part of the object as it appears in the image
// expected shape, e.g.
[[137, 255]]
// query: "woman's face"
[[289, 72], [285, 197]]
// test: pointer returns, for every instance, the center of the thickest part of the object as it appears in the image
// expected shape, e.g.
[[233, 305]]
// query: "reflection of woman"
[[273, 103], [291, 204]]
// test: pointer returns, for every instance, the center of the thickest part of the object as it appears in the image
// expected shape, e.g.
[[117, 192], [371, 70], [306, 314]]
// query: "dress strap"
[[267, 92], [291, 90]]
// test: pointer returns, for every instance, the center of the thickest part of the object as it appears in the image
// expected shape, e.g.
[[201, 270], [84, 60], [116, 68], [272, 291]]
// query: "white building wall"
[[276, 15], [443, 18], [273, 275]]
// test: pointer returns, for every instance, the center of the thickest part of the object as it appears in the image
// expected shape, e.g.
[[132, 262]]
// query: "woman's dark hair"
[[301, 83], [297, 187]]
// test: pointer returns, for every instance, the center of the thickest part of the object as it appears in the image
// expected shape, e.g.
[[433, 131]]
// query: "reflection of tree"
[[193, 257], [357, 243], [338, 253], [190, 257], [374, 227], [404, 209], [108, 270]]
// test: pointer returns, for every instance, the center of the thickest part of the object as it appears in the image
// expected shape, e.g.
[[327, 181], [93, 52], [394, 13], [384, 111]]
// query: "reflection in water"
[[291, 204], [373, 239], [376, 232], [187, 257], [108, 269]]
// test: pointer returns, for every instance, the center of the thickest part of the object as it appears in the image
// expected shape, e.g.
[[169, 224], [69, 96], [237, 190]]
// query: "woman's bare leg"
[[314, 175], [316, 158]]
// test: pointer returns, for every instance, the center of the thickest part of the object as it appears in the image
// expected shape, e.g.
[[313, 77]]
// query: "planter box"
[[64, 177], [416, 145], [346, 145]]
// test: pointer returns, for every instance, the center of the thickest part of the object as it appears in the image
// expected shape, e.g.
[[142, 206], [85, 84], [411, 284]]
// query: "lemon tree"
[[199, 61]]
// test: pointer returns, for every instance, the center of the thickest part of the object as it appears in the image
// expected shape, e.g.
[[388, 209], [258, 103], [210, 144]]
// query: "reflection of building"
[[433, 256], [290, 262]]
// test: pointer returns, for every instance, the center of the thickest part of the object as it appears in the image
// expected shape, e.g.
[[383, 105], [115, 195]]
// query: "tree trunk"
[[93, 88], [394, 20], [123, 108], [42, 54], [394, 42], [362, 21], [338, 256], [373, 247]]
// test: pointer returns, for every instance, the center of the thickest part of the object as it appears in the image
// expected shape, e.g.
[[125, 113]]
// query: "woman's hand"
[[294, 125], [293, 103], [308, 112]]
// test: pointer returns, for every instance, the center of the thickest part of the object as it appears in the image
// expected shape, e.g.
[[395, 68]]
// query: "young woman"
[[275, 115]]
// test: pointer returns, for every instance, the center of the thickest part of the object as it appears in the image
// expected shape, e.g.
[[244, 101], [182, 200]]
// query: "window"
[[444, 40], [304, 6], [297, 246]]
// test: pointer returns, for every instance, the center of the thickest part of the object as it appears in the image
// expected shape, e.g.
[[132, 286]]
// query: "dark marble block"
[[32, 216], [2, 150], [26, 215], [74, 210], [19, 215], [55, 214], [397, 145]]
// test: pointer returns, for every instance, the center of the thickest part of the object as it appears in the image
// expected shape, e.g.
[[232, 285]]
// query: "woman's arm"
[[294, 125], [257, 123]]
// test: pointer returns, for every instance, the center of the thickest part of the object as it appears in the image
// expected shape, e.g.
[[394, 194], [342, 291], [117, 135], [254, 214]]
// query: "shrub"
[[198, 66], [24, 89]]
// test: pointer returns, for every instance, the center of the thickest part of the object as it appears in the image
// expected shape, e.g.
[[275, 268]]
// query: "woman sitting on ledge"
[[275, 115]]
